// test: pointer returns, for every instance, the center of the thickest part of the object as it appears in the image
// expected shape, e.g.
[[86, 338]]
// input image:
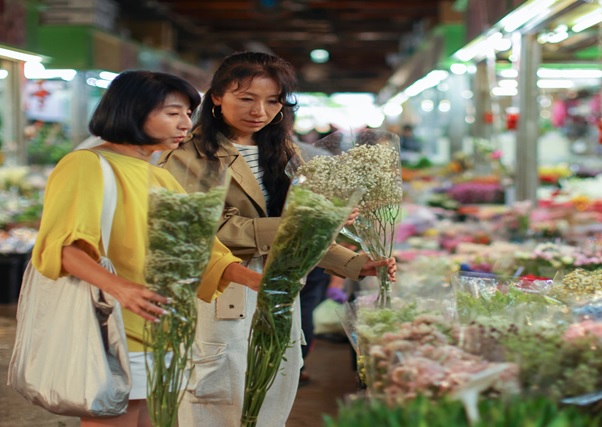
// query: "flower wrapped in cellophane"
[[408, 351], [309, 225], [181, 232], [369, 159], [517, 298]]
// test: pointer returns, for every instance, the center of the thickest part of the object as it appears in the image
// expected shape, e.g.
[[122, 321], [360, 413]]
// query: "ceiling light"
[[458, 69], [101, 83], [503, 45], [509, 73], [524, 14], [478, 47], [444, 106], [107, 75], [13, 54], [432, 79], [3, 74], [319, 56], [587, 21], [504, 91], [392, 109], [507, 83], [36, 71], [555, 84], [568, 73], [427, 105]]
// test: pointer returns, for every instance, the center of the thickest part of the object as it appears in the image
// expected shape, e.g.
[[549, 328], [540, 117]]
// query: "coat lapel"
[[241, 173]]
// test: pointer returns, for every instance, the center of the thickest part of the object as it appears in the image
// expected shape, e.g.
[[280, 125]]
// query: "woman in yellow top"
[[141, 112]]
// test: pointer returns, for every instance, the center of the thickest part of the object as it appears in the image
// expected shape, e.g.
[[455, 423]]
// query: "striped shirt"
[[251, 155]]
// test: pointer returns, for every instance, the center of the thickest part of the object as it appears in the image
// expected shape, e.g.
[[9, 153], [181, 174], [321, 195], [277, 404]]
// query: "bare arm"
[[134, 297], [240, 274]]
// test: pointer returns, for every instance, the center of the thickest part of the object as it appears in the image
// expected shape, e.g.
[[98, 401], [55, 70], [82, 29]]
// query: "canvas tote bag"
[[70, 355]]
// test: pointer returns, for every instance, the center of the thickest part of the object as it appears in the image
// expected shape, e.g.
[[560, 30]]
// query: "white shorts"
[[138, 371]]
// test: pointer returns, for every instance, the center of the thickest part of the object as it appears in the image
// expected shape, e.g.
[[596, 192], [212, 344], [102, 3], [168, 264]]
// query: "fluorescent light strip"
[[568, 73], [508, 83], [555, 84], [98, 82], [13, 54], [524, 14], [587, 21], [107, 75], [504, 91]]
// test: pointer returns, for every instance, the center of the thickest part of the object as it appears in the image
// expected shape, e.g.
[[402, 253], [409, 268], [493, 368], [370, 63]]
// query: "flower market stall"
[[495, 314]]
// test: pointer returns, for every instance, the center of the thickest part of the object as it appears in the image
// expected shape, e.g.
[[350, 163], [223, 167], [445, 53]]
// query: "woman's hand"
[[135, 297], [352, 216], [139, 300], [369, 268]]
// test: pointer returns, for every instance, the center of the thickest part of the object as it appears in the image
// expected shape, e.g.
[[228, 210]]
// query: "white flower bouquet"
[[369, 159], [182, 228]]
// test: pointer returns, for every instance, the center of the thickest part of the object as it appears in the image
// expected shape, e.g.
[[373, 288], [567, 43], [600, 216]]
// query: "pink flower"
[[583, 329], [496, 155]]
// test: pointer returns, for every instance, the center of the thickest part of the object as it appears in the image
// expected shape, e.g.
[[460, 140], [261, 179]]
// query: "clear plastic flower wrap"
[[516, 298], [181, 232], [578, 286], [370, 159], [409, 352], [309, 225]]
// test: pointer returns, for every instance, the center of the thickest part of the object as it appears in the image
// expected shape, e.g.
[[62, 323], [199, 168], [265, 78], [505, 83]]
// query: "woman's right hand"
[[139, 300], [135, 297]]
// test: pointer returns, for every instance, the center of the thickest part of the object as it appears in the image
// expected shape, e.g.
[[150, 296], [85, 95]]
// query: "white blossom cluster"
[[373, 168]]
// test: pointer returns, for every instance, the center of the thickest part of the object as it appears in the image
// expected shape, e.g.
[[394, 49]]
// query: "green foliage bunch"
[[422, 412], [309, 225], [181, 233]]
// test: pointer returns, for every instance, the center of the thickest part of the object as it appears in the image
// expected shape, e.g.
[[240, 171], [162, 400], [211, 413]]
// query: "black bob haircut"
[[125, 106]]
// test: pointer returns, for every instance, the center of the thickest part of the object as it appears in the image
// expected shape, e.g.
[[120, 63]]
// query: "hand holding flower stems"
[[372, 163], [371, 268]]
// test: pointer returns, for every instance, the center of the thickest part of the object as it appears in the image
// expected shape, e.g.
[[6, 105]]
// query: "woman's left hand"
[[352, 216], [369, 268]]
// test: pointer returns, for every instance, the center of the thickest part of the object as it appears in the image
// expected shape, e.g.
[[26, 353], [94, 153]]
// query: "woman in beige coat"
[[245, 124]]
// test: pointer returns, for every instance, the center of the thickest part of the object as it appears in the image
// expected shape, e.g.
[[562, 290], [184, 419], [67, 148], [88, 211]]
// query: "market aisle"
[[332, 378], [329, 365]]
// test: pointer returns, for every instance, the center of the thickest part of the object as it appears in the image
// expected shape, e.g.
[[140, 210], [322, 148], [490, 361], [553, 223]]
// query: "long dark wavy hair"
[[274, 140]]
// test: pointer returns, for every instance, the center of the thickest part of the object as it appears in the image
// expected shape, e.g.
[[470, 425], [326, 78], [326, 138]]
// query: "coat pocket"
[[210, 380]]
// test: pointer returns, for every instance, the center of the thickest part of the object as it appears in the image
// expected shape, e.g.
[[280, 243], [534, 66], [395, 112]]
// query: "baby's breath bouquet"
[[181, 231], [309, 225], [369, 159]]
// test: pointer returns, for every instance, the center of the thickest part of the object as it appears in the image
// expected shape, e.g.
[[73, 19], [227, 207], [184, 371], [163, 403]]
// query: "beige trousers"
[[215, 392]]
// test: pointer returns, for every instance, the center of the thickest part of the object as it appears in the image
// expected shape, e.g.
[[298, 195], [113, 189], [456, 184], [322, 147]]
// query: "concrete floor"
[[329, 366]]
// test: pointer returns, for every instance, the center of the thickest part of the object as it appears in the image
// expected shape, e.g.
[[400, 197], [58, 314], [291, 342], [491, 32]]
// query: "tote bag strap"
[[109, 201]]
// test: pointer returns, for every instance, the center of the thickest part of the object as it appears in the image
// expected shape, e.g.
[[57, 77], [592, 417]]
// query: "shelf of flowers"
[[496, 315], [494, 345], [21, 194]]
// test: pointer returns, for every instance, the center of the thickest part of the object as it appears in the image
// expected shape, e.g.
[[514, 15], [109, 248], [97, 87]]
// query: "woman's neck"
[[137, 151], [243, 139]]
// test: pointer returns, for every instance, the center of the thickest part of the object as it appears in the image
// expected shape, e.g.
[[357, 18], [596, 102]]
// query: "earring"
[[281, 118], [213, 112]]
